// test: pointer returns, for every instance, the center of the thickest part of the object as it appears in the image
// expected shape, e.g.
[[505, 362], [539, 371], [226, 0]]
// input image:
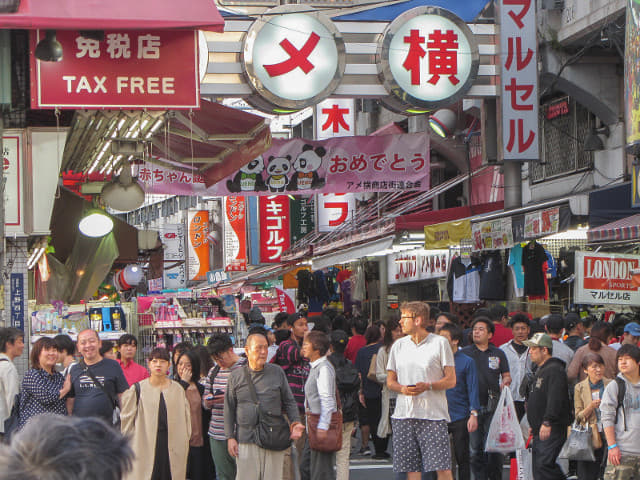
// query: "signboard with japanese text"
[[303, 221], [217, 276], [235, 234], [606, 278], [443, 235], [632, 77], [335, 117], [541, 222], [518, 47], [173, 239], [285, 301], [492, 234], [128, 69], [17, 300], [198, 248], [275, 236], [12, 166], [418, 264], [293, 60], [334, 209], [428, 58]]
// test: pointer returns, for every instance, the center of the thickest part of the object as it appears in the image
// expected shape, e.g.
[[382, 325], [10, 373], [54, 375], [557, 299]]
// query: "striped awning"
[[624, 229]]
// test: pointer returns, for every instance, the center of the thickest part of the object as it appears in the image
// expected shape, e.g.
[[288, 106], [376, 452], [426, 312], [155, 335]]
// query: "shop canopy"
[[114, 15], [625, 229]]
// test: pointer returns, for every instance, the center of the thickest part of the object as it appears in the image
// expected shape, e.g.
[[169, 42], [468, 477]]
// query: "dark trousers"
[[317, 465], [373, 415], [197, 465], [485, 466], [545, 453]]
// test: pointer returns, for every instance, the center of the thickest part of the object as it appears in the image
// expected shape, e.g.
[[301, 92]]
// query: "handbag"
[[371, 374], [115, 417], [272, 429], [333, 440], [12, 421], [579, 444]]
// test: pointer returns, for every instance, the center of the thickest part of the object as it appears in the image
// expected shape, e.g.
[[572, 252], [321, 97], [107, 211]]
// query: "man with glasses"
[[215, 386], [421, 368]]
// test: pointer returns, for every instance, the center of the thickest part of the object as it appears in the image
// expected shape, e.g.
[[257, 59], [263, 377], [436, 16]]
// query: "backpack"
[[348, 380], [622, 389]]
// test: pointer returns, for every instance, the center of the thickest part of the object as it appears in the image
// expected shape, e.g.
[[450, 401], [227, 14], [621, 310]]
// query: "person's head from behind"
[[316, 344], [482, 330], [593, 366], [339, 322], [127, 346], [159, 362], [89, 345], [107, 350], [11, 341], [44, 354], [188, 366], [281, 321], [206, 362], [54, 447], [221, 350], [445, 317], [520, 327], [499, 314], [360, 325], [414, 317], [322, 324], [453, 333], [339, 340], [257, 350], [601, 333], [628, 358], [372, 334], [392, 332], [66, 347]]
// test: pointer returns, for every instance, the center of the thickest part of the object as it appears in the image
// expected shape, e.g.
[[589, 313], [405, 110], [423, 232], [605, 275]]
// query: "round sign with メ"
[[428, 58], [293, 57]]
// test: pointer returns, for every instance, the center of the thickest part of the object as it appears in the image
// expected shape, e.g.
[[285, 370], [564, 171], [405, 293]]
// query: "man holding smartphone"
[[215, 387]]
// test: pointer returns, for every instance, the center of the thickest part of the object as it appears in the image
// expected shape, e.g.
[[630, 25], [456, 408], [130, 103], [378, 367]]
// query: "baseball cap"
[[554, 322], [633, 328], [339, 337], [571, 319], [539, 340]]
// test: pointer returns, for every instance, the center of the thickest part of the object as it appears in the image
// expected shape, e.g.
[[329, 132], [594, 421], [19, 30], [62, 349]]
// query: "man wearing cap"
[[631, 336], [555, 329], [548, 409], [574, 326]]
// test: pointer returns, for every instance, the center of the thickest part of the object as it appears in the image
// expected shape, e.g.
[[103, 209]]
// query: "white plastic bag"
[[504, 434], [524, 462]]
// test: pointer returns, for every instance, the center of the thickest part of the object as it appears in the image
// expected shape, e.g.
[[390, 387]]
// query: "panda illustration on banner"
[[249, 178], [277, 169], [306, 167]]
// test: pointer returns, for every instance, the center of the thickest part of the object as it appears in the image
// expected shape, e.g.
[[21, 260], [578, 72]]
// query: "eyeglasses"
[[410, 317]]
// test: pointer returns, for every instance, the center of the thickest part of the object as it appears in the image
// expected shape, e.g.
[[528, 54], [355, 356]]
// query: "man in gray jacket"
[[240, 412], [622, 426]]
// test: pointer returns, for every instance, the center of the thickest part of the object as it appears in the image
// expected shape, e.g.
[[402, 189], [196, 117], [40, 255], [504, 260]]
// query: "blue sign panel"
[[17, 300]]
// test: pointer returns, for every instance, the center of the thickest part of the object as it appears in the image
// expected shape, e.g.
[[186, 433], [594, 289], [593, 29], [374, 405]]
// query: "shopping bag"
[[579, 444], [524, 464], [504, 434], [524, 427]]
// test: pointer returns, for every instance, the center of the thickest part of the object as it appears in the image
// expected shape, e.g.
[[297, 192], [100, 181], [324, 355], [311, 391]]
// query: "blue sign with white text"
[[17, 300]]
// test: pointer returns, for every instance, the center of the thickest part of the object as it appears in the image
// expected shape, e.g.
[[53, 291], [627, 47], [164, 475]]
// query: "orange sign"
[[198, 244]]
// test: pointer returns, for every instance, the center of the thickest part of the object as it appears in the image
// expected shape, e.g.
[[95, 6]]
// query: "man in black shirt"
[[492, 366]]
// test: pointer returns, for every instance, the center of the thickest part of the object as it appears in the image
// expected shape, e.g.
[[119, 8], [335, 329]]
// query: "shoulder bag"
[[272, 429], [371, 374], [114, 401], [333, 440]]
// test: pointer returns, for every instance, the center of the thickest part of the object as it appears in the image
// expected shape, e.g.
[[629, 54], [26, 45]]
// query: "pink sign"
[[128, 69], [387, 163]]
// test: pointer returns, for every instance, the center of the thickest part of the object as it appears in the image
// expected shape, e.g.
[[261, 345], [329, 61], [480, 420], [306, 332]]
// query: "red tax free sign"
[[128, 69]]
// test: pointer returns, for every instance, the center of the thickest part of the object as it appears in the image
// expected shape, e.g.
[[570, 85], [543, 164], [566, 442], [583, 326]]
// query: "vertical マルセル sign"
[[275, 236], [519, 95], [335, 117], [128, 69]]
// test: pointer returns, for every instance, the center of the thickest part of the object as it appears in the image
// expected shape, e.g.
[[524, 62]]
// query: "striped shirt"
[[216, 426], [295, 367]]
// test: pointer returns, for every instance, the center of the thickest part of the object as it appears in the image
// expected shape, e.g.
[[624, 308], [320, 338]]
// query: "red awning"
[[417, 221], [625, 229], [114, 15], [218, 140]]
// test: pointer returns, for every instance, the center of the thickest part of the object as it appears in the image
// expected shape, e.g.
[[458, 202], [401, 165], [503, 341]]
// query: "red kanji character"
[[443, 60], [297, 58], [521, 63], [527, 90], [522, 144], [335, 117], [184, 178], [339, 164], [416, 52], [396, 160], [198, 179], [172, 176], [158, 175], [377, 159], [358, 163], [417, 158], [517, 17], [145, 174]]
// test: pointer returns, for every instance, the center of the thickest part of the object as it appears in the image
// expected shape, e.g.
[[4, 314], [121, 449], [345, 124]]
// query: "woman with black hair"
[[178, 349], [393, 331], [601, 334]]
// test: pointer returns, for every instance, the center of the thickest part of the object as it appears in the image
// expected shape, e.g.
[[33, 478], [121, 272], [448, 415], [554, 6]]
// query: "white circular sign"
[[293, 60], [428, 58]]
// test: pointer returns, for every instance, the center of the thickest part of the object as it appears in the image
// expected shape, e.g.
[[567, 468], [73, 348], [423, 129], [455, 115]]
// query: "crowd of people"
[[290, 405]]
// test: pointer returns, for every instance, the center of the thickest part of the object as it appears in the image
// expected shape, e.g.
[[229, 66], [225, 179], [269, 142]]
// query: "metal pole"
[[512, 185], [3, 316]]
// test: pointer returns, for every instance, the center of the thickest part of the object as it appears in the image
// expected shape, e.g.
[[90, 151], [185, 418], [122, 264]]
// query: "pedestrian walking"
[[601, 334], [11, 347], [133, 372], [518, 359]]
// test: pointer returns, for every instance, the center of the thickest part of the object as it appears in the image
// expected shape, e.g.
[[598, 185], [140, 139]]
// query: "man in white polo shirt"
[[421, 368]]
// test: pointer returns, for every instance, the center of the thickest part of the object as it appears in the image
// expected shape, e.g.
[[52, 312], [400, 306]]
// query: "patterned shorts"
[[420, 445], [629, 469]]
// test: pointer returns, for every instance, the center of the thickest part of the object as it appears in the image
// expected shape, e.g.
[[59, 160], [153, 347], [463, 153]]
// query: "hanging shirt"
[[533, 257], [465, 276], [551, 262], [515, 262], [491, 278]]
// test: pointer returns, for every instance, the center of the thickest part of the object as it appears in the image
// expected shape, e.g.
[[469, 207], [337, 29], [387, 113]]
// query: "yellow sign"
[[442, 235]]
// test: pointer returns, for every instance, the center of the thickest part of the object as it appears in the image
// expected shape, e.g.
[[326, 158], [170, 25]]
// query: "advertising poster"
[[235, 234], [285, 301], [606, 278], [334, 210], [275, 236], [442, 235], [173, 241], [417, 265], [11, 166], [493, 234], [303, 214], [541, 223], [198, 256], [632, 77]]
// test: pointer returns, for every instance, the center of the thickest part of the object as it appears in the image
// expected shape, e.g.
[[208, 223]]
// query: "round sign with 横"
[[293, 57], [428, 58]]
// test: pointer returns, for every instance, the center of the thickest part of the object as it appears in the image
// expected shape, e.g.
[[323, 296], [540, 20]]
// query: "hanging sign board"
[[198, 221], [606, 278], [128, 69], [335, 117], [541, 223], [632, 77], [492, 234], [235, 234], [11, 165], [418, 264], [334, 210], [275, 236], [443, 235]]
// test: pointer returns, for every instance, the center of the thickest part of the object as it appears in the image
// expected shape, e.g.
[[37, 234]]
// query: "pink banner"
[[387, 163]]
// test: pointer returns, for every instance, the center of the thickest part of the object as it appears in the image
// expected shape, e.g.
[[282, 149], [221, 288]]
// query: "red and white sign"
[[518, 45], [275, 236], [418, 264], [199, 259], [335, 118], [11, 165], [334, 209], [285, 301], [173, 243], [235, 234], [606, 278], [128, 69]]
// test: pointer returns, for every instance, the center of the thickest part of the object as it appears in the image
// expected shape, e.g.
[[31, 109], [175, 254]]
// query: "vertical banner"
[[632, 77], [235, 234], [253, 230], [519, 96], [635, 185], [334, 209], [17, 300], [302, 214], [173, 241], [198, 221], [275, 237], [285, 302], [335, 118], [11, 160]]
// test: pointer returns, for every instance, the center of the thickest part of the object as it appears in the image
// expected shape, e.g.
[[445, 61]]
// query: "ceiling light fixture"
[[95, 223], [49, 48]]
